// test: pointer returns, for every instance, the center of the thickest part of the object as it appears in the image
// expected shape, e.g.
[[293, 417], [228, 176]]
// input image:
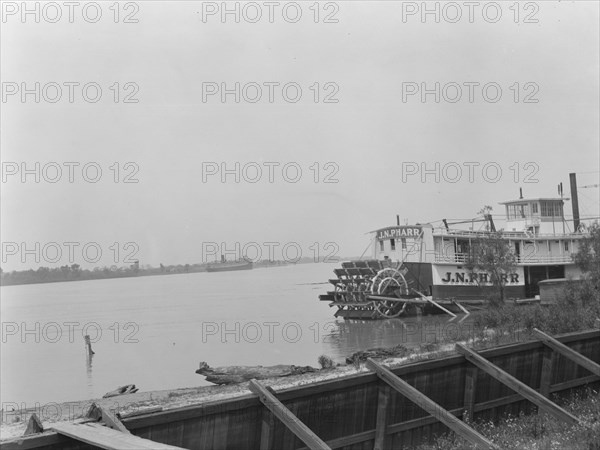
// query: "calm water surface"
[[154, 331]]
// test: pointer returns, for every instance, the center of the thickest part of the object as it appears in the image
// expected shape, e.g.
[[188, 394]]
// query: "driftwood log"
[[239, 374], [121, 390], [393, 352]]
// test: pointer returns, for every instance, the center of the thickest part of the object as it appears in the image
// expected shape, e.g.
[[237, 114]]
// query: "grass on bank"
[[576, 310], [538, 431]]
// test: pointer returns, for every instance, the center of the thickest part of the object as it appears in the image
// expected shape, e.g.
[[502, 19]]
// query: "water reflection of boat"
[[226, 266]]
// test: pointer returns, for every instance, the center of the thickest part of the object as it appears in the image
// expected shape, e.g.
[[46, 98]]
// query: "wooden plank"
[[381, 420], [434, 303], [107, 438], [448, 419], [547, 372], [415, 301], [565, 385], [437, 305], [567, 352], [462, 308], [267, 431], [111, 421], [469, 397], [304, 433], [516, 385]]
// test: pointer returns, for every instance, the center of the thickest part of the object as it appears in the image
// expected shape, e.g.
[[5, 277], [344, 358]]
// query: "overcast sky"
[[373, 137]]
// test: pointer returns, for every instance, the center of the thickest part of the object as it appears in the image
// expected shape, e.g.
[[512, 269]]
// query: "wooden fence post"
[[518, 386], [295, 425], [424, 402], [567, 352], [381, 422], [547, 372], [267, 431], [469, 398]]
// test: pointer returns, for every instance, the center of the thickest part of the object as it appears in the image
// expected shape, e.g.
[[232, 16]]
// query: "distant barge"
[[226, 266], [422, 268]]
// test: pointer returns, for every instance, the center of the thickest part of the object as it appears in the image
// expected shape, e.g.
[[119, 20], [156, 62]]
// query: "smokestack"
[[398, 220], [574, 200]]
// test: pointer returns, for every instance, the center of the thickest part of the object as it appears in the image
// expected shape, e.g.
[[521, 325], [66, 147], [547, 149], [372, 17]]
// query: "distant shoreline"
[[74, 272]]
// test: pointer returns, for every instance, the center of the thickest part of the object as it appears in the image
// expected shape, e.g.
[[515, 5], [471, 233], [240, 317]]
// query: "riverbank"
[[14, 422], [330, 399]]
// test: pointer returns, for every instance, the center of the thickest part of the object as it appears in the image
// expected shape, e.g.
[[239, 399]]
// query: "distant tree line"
[[74, 272]]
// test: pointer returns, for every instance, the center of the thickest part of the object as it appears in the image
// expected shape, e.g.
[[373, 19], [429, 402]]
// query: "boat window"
[[518, 211], [393, 242], [534, 208], [403, 240], [566, 246], [381, 245], [552, 209]]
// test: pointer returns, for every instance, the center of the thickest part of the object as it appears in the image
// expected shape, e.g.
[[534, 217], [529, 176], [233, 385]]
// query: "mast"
[[575, 201]]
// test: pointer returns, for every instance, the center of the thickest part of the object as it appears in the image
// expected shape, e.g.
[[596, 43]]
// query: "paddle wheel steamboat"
[[422, 268]]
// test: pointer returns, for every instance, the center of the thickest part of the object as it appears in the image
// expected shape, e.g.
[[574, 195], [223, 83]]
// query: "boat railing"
[[507, 234], [463, 258]]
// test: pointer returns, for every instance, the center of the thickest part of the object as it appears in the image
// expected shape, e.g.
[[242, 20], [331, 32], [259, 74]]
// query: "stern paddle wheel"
[[369, 290]]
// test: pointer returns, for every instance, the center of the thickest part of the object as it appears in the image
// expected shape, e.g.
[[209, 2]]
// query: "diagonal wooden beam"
[[567, 352], [519, 387], [280, 411], [34, 425], [444, 416]]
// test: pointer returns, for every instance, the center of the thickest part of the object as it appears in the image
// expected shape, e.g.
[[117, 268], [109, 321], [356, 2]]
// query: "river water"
[[154, 331]]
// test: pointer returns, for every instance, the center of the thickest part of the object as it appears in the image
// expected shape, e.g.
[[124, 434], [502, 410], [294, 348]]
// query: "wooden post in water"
[[88, 346]]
